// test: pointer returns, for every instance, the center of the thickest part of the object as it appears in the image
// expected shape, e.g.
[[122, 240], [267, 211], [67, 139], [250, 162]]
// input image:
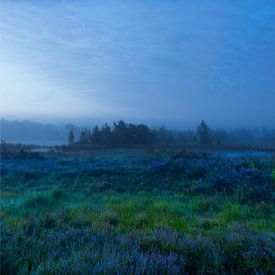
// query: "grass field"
[[132, 213]]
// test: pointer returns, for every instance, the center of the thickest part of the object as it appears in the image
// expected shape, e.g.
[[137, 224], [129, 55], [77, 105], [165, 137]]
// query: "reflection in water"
[[236, 154]]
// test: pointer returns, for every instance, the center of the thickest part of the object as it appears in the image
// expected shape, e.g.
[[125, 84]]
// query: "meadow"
[[137, 213]]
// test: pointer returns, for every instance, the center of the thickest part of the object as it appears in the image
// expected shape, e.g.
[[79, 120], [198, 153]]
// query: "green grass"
[[128, 212], [92, 211]]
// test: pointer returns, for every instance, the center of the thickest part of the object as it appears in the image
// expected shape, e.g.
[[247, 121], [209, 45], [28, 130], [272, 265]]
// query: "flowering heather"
[[151, 214]]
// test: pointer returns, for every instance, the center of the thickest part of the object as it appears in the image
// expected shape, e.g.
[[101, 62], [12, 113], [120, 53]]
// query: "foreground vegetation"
[[142, 214]]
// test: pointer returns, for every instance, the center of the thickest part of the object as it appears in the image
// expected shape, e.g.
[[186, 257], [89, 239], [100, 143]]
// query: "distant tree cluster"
[[166, 136], [122, 133]]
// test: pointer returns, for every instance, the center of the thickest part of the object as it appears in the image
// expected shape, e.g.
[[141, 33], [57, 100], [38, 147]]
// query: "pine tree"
[[203, 133], [71, 137]]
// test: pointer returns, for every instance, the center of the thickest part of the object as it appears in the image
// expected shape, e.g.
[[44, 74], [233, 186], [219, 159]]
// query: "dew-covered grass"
[[153, 214]]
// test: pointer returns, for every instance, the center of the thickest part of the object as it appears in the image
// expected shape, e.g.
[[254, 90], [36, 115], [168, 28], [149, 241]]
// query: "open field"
[[127, 212]]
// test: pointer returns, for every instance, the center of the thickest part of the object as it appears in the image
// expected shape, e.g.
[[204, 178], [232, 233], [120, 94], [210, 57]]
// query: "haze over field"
[[137, 137], [172, 62]]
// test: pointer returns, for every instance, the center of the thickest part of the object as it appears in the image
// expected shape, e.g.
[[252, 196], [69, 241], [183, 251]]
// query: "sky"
[[161, 62]]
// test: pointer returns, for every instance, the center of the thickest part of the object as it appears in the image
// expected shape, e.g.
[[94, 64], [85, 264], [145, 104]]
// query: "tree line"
[[123, 133]]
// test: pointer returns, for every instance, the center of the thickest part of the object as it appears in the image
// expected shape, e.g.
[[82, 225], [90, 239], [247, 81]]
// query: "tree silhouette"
[[123, 133], [120, 132], [96, 135], [106, 136], [85, 136], [71, 137], [203, 133]]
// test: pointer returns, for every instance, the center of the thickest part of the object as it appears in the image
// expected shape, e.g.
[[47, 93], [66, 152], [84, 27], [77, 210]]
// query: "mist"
[[154, 62], [137, 137]]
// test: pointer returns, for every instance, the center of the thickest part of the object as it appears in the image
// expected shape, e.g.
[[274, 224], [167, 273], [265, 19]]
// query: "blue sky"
[[173, 62]]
